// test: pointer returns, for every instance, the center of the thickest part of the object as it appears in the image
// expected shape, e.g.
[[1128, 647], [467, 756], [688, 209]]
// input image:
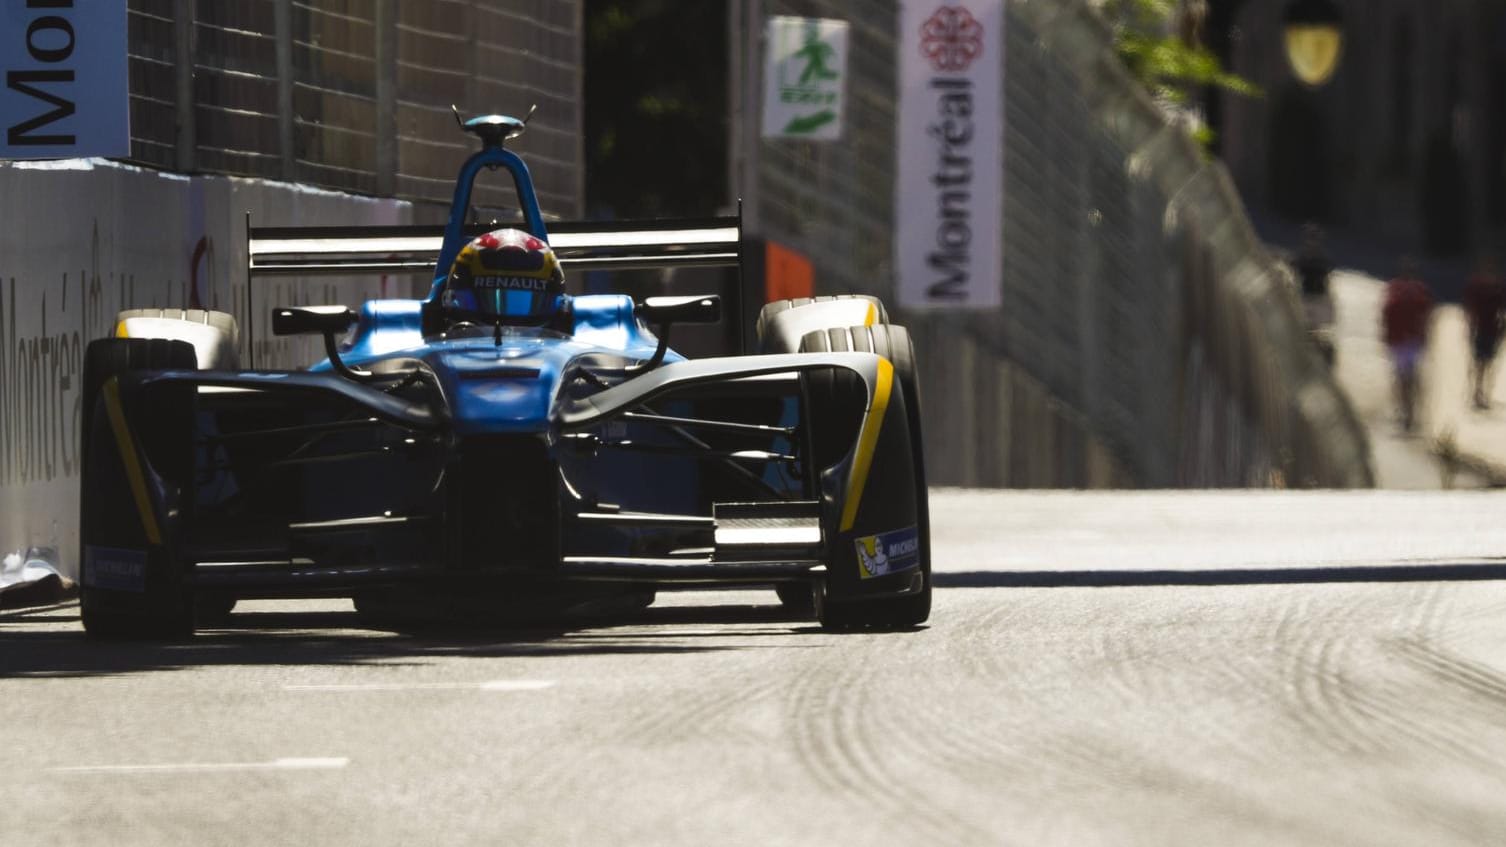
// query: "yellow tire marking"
[[121, 331], [128, 457], [869, 320], [867, 441]]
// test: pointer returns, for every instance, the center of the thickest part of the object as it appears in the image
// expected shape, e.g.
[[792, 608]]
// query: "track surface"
[[1100, 669]]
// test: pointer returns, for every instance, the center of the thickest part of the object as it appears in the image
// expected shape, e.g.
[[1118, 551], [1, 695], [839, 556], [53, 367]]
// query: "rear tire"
[[166, 609], [798, 597], [893, 343], [214, 608], [770, 310], [219, 350], [107, 625], [222, 321]]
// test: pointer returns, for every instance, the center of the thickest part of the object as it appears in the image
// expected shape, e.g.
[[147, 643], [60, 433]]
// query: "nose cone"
[[506, 389]]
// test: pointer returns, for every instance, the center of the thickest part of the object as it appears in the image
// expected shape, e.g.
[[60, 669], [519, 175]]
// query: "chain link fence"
[[356, 95], [1146, 338]]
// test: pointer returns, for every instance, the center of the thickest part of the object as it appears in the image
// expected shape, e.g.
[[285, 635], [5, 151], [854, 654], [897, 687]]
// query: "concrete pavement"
[[1284, 698], [1456, 445]]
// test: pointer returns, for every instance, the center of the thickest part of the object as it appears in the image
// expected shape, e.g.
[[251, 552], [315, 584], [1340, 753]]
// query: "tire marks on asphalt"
[[1222, 661], [708, 709], [1472, 684], [1319, 700], [1350, 697], [854, 734], [1079, 713]]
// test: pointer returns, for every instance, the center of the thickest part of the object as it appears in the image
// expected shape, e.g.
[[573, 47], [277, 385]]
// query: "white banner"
[[66, 87], [949, 195], [803, 74]]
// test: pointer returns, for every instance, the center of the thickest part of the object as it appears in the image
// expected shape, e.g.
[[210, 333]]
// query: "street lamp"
[[1314, 39]]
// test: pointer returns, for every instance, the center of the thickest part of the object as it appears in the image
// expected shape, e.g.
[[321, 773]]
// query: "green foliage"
[[1168, 65]]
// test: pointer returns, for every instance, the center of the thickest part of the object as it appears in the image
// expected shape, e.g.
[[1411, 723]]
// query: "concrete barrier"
[[82, 240]]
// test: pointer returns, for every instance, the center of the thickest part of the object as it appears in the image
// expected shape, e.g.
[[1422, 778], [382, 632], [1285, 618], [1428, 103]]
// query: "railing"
[[1145, 338]]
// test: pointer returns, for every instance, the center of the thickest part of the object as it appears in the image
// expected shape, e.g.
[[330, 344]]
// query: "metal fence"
[[356, 94], [1145, 338]]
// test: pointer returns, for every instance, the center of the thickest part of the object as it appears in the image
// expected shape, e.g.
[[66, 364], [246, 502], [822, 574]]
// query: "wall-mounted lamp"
[[1314, 32]]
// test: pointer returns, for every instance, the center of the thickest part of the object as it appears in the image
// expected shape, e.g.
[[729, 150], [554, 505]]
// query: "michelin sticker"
[[115, 569], [888, 552]]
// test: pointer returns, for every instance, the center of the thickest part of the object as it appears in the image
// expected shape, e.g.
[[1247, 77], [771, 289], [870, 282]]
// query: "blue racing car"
[[501, 440]]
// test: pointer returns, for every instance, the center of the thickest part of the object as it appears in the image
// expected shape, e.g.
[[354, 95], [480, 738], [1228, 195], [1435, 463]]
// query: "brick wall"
[[355, 95]]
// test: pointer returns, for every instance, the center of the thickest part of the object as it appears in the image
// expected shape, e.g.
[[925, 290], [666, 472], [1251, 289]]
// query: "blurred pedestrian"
[[1313, 268], [1404, 324], [1485, 306]]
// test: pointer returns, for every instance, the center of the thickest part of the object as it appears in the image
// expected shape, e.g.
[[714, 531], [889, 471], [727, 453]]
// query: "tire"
[[797, 597], [164, 609], [222, 321], [103, 624], [379, 610], [770, 310], [109, 357], [893, 343], [214, 335], [214, 608]]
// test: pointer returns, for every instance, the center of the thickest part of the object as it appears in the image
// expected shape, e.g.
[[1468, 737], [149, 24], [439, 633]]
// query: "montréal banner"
[[65, 91], [949, 194]]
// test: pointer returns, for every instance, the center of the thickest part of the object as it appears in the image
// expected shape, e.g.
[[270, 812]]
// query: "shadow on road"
[[1399, 572], [32, 644]]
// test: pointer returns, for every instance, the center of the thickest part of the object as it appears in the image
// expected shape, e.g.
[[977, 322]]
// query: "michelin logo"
[[888, 552], [115, 569]]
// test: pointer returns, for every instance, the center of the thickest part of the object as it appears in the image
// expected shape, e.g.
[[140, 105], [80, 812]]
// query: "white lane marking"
[[291, 764], [495, 685], [517, 685]]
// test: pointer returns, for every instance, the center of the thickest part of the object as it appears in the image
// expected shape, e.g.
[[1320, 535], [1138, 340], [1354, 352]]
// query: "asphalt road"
[[1100, 669]]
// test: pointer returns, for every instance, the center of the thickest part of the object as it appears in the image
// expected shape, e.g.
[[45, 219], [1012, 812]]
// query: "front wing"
[[270, 483]]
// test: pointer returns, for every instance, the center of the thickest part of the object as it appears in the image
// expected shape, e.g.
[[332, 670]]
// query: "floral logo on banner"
[[951, 39]]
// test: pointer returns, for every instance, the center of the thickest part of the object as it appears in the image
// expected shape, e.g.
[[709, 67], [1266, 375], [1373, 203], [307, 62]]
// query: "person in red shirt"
[[1404, 324], [1484, 303]]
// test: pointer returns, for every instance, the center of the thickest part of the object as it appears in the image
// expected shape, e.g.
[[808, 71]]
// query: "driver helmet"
[[506, 273]]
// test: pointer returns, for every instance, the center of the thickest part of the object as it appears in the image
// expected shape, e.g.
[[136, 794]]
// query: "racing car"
[[501, 439]]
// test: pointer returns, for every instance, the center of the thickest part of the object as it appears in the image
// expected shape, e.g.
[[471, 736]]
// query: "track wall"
[[85, 239], [1146, 338]]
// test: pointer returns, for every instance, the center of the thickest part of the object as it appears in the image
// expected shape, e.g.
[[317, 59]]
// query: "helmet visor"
[[513, 296]]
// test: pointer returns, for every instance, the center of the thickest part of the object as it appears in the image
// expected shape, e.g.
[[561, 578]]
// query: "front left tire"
[[129, 586]]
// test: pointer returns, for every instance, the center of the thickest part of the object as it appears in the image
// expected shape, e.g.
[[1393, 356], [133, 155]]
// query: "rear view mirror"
[[661, 311], [312, 320], [664, 312]]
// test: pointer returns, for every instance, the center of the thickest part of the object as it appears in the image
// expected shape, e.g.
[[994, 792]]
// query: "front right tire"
[[893, 343]]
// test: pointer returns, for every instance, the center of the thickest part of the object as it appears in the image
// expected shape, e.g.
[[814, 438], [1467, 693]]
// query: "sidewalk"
[[1450, 425]]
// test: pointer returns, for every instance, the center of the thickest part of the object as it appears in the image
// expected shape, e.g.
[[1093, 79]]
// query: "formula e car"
[[440, 450]]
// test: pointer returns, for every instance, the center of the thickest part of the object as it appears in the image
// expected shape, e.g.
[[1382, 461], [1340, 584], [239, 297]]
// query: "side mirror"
[[661, 311], [312, 320], [664, 312], [328, 321]]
